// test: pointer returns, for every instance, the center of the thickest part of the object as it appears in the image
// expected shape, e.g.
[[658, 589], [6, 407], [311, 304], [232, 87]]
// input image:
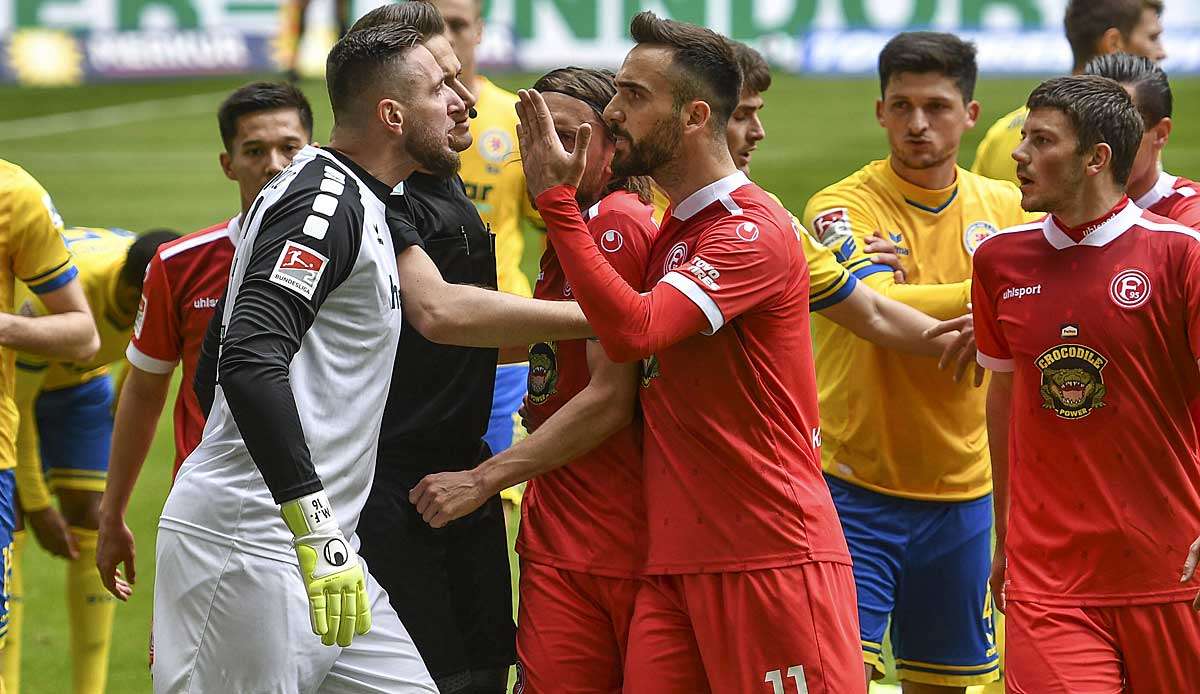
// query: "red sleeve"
[[156, 342], [994, 353], [624, 243], [738, 265], [630, 325], [1191, 287]]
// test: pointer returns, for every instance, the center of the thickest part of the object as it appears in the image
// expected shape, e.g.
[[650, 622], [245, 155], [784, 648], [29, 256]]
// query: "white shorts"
[[228, 621]]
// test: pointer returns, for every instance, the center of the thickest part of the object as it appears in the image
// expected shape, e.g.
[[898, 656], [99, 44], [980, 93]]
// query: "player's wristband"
[[310, 515]]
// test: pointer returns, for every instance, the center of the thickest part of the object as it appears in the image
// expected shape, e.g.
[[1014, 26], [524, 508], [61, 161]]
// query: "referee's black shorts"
[[452, 586]]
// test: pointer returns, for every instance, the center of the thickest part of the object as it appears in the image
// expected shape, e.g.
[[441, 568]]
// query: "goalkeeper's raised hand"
[[332, 574]]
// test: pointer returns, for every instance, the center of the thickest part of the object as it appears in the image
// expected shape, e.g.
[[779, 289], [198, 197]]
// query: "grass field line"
[[107, 116]]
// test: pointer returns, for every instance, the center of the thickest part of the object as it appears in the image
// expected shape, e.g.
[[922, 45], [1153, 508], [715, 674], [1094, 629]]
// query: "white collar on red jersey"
[[1103, 234], [234, 228], [591, 212], [1164, 187], [717, 190]]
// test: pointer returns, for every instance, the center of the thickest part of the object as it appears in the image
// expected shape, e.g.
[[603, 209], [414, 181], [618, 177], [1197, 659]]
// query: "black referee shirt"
[[441, 396]]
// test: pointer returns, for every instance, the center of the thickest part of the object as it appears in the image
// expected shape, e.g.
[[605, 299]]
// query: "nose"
[[454, 103], [277, 161], [465, 94], [919, 122], [757, 132], [1020, 155], [612, 113]]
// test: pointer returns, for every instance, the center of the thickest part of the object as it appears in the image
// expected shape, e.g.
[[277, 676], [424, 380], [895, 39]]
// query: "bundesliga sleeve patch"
[[141, 318], [832, 227], [299, 268]]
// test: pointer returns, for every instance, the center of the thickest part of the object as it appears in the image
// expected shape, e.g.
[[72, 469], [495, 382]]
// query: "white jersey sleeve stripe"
[[699, 297], [147, 363]]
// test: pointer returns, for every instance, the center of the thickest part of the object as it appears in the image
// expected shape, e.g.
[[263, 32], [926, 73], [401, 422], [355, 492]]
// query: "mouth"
[[1024, 180], [1071, 393]]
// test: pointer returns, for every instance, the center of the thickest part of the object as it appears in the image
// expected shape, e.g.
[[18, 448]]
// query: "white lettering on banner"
[[168, 52]]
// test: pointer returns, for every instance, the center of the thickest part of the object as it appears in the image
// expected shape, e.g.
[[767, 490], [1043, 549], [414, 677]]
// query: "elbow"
[[435, 322], [87, 349]]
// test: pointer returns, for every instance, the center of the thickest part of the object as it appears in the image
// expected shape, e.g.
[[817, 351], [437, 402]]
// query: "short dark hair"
[[1100, 111], [594, 87], [359, 61], [707, 68], [756, 73], [1149, 82], [257, 97], [133, 272], [1086, 21], [422, 16], [930, 51]]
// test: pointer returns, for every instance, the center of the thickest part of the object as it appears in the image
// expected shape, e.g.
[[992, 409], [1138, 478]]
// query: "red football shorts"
[[774, 631], [1138, 649], [572, 630]]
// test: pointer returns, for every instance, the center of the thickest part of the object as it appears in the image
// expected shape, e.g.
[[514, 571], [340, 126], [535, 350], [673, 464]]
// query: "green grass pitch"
[[145, 155]]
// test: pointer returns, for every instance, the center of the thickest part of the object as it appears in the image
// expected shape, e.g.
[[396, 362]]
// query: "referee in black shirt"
[[451, 586]]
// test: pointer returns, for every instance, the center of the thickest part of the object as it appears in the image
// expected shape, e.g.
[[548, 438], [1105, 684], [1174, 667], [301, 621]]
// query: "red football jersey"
[[184, 281], [733, 477], [1175, 198], [588, 515], [1102, 338]]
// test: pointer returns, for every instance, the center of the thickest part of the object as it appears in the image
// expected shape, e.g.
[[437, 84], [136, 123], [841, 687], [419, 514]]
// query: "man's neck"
[[375, 158], [932, 178], [1091, 204], [1137, 188], [692, 171]]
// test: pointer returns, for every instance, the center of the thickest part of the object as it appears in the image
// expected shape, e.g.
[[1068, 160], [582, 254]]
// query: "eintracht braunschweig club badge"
[[1072, 380]]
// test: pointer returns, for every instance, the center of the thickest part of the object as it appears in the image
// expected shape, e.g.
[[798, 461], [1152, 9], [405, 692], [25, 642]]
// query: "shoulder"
[[1010, 122], [1006, 240], [852, 192], [214, 238], [1158, 224], [14, 179]]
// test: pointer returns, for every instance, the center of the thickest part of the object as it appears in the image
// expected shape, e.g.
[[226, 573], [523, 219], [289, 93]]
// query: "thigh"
[[567, 640], [877, 533], [663, 656], [1161, 647], [75, 434], [229, 621], [480, 582], [1060, 650], [382, 661], [778, 631], [942, 628]]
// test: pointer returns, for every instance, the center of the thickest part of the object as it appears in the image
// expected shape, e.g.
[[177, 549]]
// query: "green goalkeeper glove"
[[332, 574]]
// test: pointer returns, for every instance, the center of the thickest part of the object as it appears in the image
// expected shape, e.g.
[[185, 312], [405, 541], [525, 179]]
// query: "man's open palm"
[[546, 162]]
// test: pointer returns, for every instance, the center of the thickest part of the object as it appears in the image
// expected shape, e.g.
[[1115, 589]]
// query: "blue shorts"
[[511, 384], [75, 431], [926, 565], [8, 498]]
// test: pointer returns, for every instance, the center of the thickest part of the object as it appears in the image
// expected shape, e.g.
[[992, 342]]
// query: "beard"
[[923, 161], [651, 152], [430, 148]]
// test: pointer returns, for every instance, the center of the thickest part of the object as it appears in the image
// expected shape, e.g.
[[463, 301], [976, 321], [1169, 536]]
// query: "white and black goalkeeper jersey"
[[309, 329]]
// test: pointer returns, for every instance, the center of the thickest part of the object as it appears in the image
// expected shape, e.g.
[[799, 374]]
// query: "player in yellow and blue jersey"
[[32, 250], [66, 415], [904, 451], [1094, 28]]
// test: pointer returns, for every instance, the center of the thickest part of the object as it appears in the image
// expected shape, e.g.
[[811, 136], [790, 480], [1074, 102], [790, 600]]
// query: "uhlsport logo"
[[675, 256], [1072, 380], [336, 553], [611, 241], [975, 234], [543, 371], [747, 231], [299, 268], [1130, 288]]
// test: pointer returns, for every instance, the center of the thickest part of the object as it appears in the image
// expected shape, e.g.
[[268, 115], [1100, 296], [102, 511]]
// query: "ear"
[[699, 115], [1100, 160], [1162, 132], [879, 112], [226, 163], [390, 115], [973, 111], [1111, 41]]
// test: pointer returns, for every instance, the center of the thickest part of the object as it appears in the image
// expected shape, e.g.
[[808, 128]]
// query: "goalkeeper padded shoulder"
[[331, 571]]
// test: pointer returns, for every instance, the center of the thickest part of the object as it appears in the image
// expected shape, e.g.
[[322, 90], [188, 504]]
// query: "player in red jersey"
[[749, 584], [1090, 321], [1151, 188], [263, 125]]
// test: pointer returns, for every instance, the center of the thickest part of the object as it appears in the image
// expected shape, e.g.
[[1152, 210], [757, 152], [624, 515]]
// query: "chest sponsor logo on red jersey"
[[675, 257], [204, 303], [543, 372], [299, 269], [1072, 380], [1130, 288]]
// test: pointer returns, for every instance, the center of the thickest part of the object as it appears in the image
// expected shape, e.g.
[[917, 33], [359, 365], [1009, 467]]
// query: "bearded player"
[[1090, 323]]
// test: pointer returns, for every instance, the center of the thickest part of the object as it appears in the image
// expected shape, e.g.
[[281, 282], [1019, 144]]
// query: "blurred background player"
[[495, 182], [1093, 27], [294, 21], [908, 465], [262, 126], [35, 253], [718, 569], [66, 410], [1088, 416], [1174, 197]]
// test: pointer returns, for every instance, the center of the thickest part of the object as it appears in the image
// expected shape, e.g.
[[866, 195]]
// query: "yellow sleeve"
[[843, 224], [993, 158], [39, 256], [31, 481]]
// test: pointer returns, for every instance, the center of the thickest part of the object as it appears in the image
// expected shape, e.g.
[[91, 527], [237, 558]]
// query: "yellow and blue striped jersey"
[[495, 182], [993, 158], [891, 422], [31, 250]]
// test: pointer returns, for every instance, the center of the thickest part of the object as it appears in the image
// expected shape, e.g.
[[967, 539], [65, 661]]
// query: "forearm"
[[138, 409], [473, 317], [70, 335], [941, 301], [886, 322], [585, 422]]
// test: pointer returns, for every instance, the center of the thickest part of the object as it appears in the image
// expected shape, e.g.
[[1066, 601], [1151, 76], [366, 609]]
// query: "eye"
[[253, 151]]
